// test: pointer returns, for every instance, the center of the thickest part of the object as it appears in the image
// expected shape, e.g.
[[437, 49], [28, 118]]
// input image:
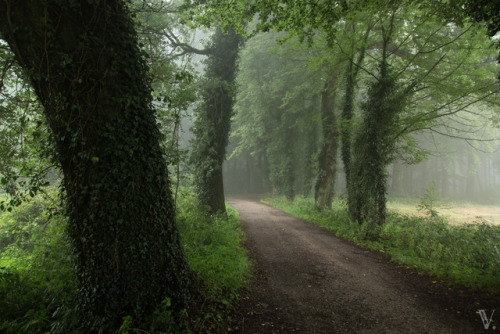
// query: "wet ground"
[[309, 281]]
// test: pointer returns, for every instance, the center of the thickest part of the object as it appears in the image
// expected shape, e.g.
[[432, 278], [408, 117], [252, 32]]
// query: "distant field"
[[457, 213]]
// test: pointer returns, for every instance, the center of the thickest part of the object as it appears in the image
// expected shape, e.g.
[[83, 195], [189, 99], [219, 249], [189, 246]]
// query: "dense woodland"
[[124, 123]]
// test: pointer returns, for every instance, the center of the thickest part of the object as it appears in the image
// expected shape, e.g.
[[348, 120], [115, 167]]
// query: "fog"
[[278, 129]]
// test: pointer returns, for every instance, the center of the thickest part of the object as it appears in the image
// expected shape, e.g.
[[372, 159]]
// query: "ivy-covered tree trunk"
[[213, 120], [323, 191], [348, 107], [374, 143], [83, 60]]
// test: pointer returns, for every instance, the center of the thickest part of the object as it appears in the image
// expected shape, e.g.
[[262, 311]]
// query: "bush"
[[37, 287], [213, 246], [36, 276]]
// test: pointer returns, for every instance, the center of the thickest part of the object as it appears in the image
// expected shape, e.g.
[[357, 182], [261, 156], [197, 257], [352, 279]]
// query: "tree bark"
[[83, 61], [323, 191], [374, 143], [213, 122]]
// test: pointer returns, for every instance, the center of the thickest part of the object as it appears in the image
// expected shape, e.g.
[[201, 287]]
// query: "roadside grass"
[[37, 283], [467, 254], [214, 251]]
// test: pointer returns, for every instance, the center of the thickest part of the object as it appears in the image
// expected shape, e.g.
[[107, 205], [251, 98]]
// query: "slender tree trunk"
[[84, 63], [311, 149], [325, 182], [347, 113]]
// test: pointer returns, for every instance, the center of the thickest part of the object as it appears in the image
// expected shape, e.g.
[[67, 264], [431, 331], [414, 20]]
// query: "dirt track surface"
[[309, 281]]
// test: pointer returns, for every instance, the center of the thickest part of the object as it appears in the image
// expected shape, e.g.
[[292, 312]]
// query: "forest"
[[131, 132]]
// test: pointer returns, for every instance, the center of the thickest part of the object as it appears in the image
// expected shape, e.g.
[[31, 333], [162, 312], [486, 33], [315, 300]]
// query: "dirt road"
[[309, 281]]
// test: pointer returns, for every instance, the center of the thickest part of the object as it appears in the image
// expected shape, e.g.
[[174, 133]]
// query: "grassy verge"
[[466, 254], [213, 247], [37, 282]]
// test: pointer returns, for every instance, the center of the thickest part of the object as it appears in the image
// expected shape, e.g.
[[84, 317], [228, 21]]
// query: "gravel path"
[[309, 281]]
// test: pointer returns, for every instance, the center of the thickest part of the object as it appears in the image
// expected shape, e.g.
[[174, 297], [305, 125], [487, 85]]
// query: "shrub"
[[213, 246], [36, 276]]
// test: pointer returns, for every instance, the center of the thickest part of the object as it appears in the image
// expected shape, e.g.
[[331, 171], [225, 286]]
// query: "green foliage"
[[173, 79], [464, 254], [25, 143], [429, 201], [277, 111], [213, 246], [37, 283], [96, 94]]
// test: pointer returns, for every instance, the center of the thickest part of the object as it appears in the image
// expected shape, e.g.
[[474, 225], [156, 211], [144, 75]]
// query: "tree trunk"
[[347, 113], [213, 121], [308, 173], [84, 63], [348, 107], [325, 182], [374, 145]]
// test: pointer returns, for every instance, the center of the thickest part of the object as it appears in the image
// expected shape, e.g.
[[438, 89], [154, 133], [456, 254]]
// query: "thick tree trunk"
[[213, 121], [374, 144], [348, 107], [86, 68], [323, 194]]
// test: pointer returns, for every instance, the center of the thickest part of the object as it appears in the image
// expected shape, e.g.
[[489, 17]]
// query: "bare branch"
[[184, 46]]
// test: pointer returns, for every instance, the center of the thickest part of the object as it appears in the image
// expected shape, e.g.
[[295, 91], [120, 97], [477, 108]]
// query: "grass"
[[455, 212], [458, 254], [214, 251], [37, 286], [213, 247]]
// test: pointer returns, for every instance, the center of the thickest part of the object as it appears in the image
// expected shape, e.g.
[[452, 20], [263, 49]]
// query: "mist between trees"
[[400, 100], [119, 104]]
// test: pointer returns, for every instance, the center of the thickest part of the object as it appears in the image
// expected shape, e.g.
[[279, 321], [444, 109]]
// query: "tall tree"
[[374, 143], [84, 63], [327, 161], [213, 118]]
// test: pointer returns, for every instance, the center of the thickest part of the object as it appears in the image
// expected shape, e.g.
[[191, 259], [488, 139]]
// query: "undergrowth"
[[37, 283], [36, 277], [468, 255], [213, 247]]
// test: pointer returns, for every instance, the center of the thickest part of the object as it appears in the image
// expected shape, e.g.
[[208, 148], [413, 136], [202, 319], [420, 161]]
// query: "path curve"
[[309, 281]]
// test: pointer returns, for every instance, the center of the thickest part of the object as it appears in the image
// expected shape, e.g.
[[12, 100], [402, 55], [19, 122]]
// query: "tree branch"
[[174, 41]]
